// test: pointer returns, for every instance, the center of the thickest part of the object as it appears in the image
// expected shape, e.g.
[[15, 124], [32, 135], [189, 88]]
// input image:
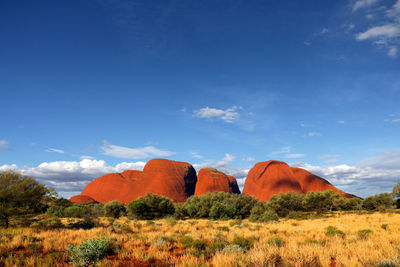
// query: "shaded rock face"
[[273, 177], [269, 178], [81, 199], [310, 182], [212, 180], [172, 179]]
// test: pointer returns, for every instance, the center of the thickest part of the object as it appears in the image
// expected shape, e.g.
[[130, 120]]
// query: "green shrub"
[[223, 211], [223, 228], [89, 252], [233, 248], [219, 205], [332, 231], [199, 244], [349, 203], [86, 224], [384, 226], [150, 207], [257, 212], [269, 216], [380, 201], [388, 263], [114, 209], [283, 203], [216, 246], [275, 241], [46, 223], [186, 241], [244, 242], [320, 202], [180, 212], [364, 233], [235, 222]]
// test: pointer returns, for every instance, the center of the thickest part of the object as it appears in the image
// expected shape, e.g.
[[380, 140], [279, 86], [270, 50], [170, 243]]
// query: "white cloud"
[[133, 153], [392, 51], [86, 157], [4, 145], [324, 30], [363, 4], [307, 43], [350, 27], [384, 31], [329, 158], [370, 176], [227, 115], [312, 134], [196, 155], [393, 118], [55, 150], [249, 159], [70, 177], [283, 150], [295, 156], [341, 122], [394, 12]]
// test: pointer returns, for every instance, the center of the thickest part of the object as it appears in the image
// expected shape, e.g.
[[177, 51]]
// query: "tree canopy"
[[20, 195]]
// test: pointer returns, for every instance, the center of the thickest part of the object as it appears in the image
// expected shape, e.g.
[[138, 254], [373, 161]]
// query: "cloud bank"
[[228, 115], [367, 177], [133, 153]]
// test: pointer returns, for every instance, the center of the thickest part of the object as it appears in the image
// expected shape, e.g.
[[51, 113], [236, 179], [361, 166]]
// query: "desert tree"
[[20, 195]]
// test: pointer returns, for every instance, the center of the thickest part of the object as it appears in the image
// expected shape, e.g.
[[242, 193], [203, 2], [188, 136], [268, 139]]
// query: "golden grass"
[[304, 243]]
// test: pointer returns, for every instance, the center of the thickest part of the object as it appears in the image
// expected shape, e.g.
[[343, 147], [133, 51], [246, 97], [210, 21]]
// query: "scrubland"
[[338, 239]]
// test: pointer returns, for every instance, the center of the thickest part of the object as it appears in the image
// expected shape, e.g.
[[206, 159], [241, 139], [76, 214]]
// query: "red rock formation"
[[172, 179], [110, 187], [269, 178], [212, 180], [310, 182], [81, 199]]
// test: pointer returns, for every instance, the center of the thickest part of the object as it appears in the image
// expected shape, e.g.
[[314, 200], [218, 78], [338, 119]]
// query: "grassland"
[[343, 239]]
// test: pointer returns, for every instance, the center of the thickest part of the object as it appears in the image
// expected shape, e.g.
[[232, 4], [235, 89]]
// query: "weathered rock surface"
[[81, 199], [269, 178], [310, 182], [172, 179], [212, 180]]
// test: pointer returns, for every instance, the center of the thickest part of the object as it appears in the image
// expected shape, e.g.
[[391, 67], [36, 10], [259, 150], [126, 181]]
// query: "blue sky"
[[90, 87]]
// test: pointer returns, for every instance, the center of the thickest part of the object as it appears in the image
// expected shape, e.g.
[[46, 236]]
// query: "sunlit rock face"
[[269, 178], [173, 179], [212, 180]]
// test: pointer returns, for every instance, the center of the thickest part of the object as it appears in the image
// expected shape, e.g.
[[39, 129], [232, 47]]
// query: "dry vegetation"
[[169, 242]]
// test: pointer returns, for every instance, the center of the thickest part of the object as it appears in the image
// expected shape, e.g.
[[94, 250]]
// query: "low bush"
[[389, 263], [332, 231], [364, 233], [89, 252], [275, 241], [114, 209], [320, 202], [47, 223], [216, 246], [150, 207], [85, 224], [244, 242], [380, 201], [219, 205]]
